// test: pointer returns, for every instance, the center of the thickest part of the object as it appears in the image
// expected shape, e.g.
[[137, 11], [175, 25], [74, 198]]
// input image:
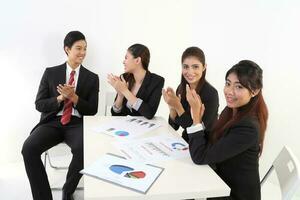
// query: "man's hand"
[[60, 98]]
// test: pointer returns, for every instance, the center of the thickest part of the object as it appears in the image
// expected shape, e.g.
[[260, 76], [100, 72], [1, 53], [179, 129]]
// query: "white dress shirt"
[[76, 75]]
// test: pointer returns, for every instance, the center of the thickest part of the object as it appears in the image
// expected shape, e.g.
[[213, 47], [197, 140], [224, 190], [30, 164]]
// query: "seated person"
[[138, 90], [66, 93], [236, 140], [193, 73]]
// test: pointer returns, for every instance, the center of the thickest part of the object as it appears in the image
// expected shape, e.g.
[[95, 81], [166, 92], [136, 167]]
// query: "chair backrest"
[[109, 101], [287, 169]]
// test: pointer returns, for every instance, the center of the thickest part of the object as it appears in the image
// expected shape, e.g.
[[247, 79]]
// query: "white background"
[[267, 32]]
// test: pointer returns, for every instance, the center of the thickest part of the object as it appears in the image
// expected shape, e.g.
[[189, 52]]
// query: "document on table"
[[153, 149], [127, 127], [126, 173]]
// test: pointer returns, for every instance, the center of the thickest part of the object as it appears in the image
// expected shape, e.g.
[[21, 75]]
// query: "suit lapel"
[[81, 79], [144, 85], [60, 77]]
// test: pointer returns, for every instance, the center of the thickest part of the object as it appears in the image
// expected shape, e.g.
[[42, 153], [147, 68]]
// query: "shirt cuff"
[[137, 104], [116, 110], [194, 128]]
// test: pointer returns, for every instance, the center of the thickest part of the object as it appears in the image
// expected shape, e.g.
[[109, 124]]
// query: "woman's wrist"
[[173, 114], [179, 109]]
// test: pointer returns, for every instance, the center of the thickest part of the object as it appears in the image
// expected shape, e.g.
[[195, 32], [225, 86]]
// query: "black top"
[[235, 155], [87, 90], [150, 92], [210, 99]]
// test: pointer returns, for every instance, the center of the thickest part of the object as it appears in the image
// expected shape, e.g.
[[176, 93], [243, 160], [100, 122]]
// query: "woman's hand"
[[118, 83], [196, 105], [173, 101], [170, 98]]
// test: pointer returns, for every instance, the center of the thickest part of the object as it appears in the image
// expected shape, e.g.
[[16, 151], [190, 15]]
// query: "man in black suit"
[[66, 93]]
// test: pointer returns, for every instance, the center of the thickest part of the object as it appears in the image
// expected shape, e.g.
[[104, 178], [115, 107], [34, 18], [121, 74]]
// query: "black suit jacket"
[[210, 98], [150, 92], [87, 91], [235, 155]]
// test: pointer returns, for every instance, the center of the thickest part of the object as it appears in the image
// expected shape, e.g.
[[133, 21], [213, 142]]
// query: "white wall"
[[267, 32]]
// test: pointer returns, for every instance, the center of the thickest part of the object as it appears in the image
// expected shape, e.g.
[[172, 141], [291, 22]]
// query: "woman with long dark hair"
[[138, 90], [193, 74], [236, 140]]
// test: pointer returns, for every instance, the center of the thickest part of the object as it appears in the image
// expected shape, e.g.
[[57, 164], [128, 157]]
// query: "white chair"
[[286, 166], [48, 158], [109, 101]]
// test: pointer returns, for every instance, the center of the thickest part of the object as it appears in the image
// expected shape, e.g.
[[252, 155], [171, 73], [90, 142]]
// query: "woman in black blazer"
[[236, 140], [138, 90], [193, 74]]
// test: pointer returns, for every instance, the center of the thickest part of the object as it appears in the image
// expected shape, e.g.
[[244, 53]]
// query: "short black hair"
[[73, 37]]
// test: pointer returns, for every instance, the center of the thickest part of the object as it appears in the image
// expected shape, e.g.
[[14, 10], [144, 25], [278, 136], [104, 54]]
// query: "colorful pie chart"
[[121, 169], [179, 146], [135, 175], [121, 133]]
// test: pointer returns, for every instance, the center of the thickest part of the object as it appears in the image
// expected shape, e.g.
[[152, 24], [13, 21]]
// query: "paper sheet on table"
[[126, 173], [153, 149], [127, 127]]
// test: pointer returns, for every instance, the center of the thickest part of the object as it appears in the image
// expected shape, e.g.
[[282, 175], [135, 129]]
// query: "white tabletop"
[[181, 178]]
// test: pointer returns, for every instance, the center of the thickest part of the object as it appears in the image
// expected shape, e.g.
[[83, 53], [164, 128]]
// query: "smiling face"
[[192, 70], [235, 93], [77, 52], [130, 63]]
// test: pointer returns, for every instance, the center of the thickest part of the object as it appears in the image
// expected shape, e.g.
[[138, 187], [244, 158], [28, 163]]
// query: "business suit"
[[49, 131], [210, 99], [235, 155], [150, 92]]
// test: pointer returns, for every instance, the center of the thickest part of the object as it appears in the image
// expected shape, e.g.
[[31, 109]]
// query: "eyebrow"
[[234, 82], [192, 64], [80, 46]]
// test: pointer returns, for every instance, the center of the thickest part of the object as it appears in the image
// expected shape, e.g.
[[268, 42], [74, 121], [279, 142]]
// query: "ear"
[[67, 50], [255, 92], [204, 67], [138, 60]]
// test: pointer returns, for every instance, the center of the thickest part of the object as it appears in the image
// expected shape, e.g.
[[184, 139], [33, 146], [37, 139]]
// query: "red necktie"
[[66, 117]]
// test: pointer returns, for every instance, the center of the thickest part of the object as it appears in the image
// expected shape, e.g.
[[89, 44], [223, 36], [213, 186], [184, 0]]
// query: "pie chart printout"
[[122, 133], [179, 146], [127, 171]]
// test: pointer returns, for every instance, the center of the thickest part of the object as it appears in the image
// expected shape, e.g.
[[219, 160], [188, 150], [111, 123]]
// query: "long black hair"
[[199, 54], [250, 76], [137, 50]]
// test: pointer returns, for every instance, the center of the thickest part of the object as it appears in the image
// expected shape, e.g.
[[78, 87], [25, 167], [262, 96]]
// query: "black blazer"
[[235, 155], [210, 99], [150, 92], [87, 90]]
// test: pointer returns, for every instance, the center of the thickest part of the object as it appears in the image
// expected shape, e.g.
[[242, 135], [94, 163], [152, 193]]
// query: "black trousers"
[[43, 138]]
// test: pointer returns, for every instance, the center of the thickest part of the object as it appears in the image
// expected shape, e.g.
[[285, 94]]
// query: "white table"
[[181, 179]]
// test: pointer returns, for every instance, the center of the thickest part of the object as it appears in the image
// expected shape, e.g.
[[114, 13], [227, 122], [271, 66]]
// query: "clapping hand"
[[118, 83], [196, 105], [66, 91], [170, 98]]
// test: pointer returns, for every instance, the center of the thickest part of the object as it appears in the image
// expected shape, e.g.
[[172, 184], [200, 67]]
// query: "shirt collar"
[[69, 69]]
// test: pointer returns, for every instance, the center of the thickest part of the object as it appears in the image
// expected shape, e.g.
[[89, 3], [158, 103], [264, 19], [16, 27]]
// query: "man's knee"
[[29, 149], [77, 151]]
